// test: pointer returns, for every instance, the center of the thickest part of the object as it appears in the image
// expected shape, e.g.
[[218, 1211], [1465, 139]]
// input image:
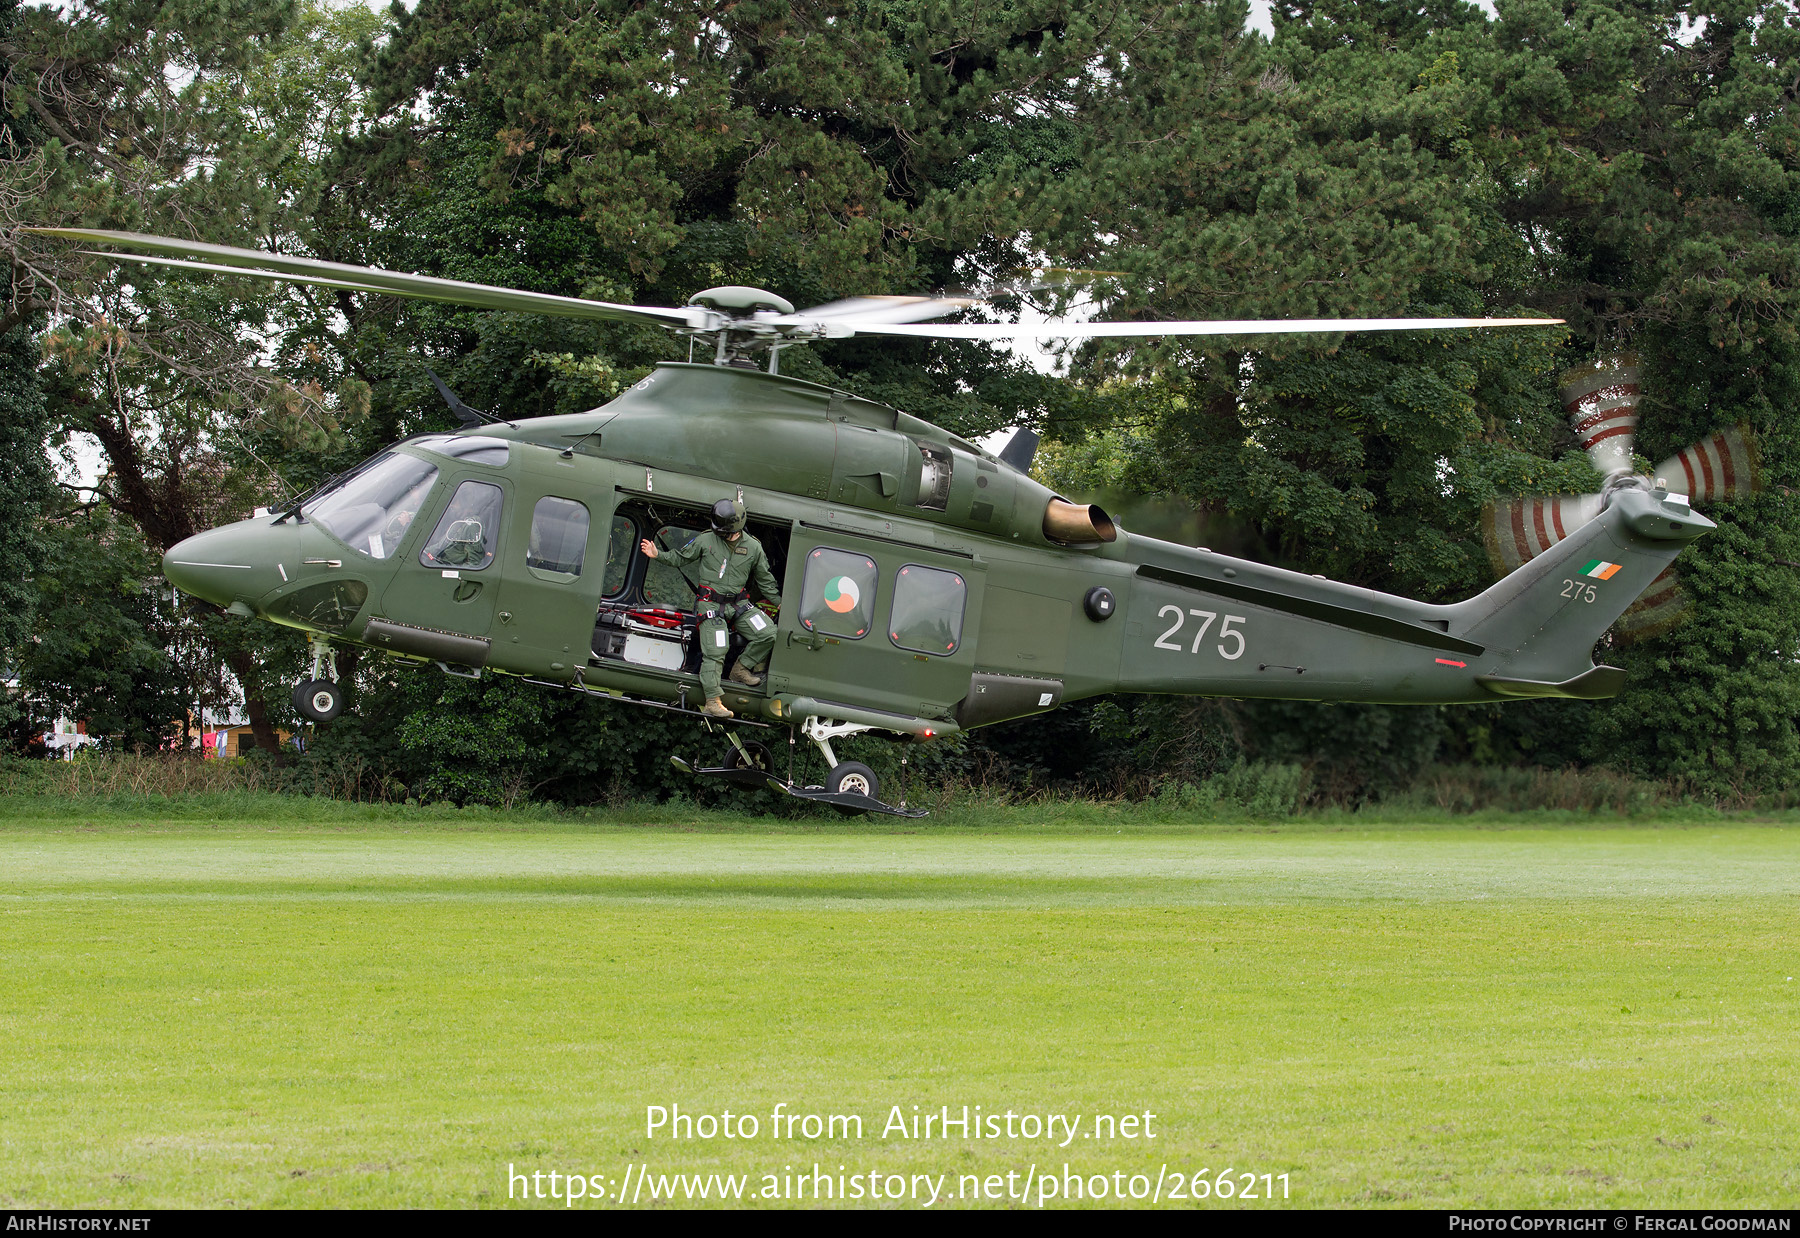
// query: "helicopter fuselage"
[[928, 586]]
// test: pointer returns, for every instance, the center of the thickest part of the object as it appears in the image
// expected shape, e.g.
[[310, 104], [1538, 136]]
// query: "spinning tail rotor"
[[1601, 399]]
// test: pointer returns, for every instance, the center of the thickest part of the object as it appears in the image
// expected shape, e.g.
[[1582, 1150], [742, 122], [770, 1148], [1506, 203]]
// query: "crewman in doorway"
[[728, 560]]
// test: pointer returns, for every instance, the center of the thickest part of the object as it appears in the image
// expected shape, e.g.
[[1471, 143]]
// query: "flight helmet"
[[727, 517]]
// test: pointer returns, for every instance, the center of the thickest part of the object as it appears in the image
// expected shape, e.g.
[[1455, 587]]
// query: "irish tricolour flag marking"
[[1600, 569]]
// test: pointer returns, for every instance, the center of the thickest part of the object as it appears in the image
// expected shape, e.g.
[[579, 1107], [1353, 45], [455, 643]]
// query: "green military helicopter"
[[930, 586]]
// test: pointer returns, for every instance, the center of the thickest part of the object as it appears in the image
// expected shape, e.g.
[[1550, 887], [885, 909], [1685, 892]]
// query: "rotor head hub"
[[737, 300]]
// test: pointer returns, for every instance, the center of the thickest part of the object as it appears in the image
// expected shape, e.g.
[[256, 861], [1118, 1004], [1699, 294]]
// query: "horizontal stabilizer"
[[1593, 685]]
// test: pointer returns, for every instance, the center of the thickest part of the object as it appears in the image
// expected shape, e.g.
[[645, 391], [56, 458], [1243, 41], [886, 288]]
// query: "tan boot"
[[744, 675], [715, 708]]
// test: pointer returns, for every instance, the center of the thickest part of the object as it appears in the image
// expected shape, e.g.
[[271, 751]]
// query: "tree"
[[25, 493], [100, 645], [1649, 157], [1628, 165], [174, 118], [820, 149], [641, 153]]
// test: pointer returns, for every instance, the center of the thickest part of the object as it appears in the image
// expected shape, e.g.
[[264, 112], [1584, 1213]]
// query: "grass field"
[[348, 1011]]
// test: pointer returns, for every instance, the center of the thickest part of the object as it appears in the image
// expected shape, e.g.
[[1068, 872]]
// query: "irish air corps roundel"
[[842, 595], [1600, 569]]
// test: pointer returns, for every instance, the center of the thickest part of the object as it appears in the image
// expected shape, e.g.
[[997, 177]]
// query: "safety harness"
[[709, 601]]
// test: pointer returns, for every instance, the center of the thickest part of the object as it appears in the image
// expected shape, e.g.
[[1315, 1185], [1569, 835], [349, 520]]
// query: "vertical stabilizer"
[[1542, 621]]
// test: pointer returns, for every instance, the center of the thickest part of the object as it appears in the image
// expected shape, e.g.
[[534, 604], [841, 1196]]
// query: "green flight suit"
[[727, 568]]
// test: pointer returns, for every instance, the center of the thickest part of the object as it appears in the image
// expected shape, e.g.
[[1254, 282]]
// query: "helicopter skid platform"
[[756, 779]]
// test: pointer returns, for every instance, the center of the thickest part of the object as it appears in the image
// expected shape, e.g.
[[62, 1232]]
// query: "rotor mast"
[[749, 320]]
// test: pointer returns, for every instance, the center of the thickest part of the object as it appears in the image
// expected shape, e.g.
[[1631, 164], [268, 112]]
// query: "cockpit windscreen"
[[372, 510]]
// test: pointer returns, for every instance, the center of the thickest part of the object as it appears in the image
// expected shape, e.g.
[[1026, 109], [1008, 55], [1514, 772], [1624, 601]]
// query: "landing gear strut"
[[846, 778], [822, 731], [319, 699]]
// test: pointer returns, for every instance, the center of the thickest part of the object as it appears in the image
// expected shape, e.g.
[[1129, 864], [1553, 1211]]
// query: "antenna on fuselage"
[[467, 418], [1020, 450]]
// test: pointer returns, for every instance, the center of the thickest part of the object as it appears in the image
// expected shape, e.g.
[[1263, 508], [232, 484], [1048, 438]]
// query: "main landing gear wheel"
[[318, 700], [853, 778], [753, 755]]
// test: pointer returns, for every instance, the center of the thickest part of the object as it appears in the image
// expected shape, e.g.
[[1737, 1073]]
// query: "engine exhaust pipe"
[[1078, 523]]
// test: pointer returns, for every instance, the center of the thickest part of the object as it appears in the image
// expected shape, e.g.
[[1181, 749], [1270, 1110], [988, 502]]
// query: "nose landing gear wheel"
[[853, 778], [318, 700]]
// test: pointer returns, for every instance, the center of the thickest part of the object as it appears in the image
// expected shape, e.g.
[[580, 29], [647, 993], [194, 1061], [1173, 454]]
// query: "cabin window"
[[935, 468], [838, 595], [928, 610], [559, 533], [664, 582], [373, 510], [466, 532], [620, 545]]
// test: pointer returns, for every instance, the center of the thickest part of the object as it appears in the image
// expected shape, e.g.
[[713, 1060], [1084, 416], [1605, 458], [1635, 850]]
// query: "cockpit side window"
[[467, 531], [372, 510]]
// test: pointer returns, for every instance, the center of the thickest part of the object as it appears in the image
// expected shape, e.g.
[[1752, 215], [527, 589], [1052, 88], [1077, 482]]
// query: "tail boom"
[[1207, 625]]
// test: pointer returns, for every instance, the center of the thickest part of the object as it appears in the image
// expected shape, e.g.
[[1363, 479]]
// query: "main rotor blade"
[[1133, 330], [859, 310], [260, 265], [214, 268]]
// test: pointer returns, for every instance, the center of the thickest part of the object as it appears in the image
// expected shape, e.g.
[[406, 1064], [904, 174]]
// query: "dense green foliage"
[[25, 474], [25, 493], [1629, 165], [103, 649]]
